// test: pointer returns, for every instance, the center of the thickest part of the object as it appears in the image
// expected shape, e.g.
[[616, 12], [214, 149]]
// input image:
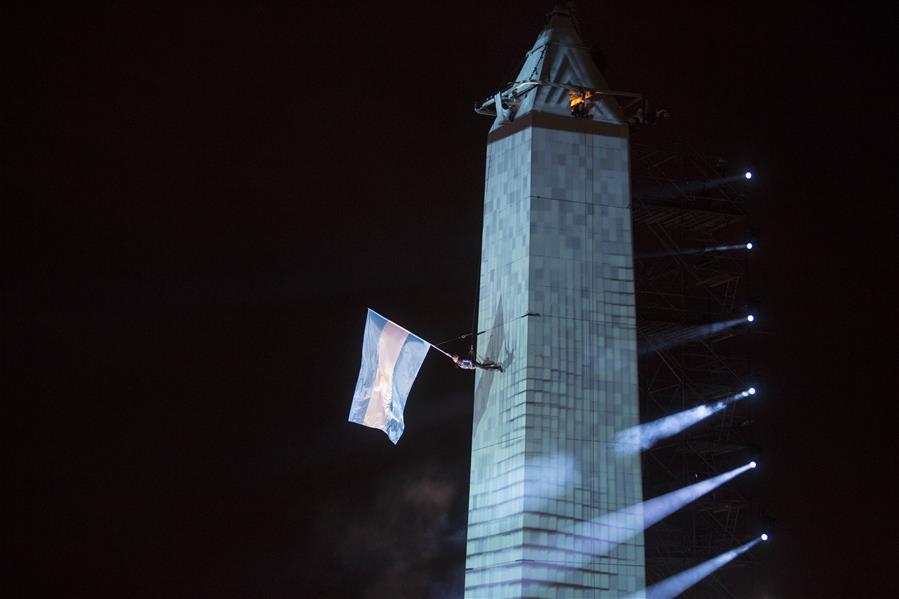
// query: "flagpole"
[[438, 349]]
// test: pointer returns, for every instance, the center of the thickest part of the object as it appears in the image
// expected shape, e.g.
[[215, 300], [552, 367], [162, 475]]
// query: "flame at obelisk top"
[[557, 245]]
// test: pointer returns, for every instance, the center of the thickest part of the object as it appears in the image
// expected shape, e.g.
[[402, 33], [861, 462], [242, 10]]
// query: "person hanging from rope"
[[470, 363]]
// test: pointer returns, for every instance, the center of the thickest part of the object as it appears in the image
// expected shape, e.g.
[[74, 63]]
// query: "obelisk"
[[556, 247]]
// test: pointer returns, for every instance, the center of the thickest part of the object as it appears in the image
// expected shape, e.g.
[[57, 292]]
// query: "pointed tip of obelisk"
[[561, 63]]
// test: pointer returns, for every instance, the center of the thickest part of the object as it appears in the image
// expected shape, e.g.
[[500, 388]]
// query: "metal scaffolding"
[[683, 203]]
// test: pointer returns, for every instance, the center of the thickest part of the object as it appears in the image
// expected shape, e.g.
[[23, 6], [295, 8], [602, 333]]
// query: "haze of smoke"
[[396, 537], [549, 476]]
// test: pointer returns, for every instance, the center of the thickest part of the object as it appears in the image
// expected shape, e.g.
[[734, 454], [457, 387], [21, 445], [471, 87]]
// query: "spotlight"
[[752, 464], [748, 175], [764, 536], [750, 318], [749, 246], [751, 390]]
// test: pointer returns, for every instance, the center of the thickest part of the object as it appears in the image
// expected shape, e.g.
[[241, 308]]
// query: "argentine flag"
[[391, 357]]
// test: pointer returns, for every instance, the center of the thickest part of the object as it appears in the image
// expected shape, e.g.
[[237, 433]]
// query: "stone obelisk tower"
[[556, 247]]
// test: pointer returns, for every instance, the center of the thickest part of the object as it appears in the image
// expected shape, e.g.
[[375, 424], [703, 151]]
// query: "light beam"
[[611, 529], [644, 436], [659, 507], [706, 250], [682, 188], [677, 584], [670, 339]]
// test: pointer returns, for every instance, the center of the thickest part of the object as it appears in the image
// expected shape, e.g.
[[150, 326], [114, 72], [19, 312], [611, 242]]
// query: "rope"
[[479, 333], [474, 312]]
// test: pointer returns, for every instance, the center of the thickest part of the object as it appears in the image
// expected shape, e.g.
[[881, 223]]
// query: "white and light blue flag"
[[391, 357]]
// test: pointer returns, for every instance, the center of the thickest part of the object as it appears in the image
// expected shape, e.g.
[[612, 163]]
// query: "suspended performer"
[[470, 364]]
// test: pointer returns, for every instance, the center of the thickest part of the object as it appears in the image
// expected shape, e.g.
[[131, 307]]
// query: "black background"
[[203, 201]]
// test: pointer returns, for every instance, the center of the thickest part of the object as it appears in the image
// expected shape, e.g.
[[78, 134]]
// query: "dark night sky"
[[204, 201]]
